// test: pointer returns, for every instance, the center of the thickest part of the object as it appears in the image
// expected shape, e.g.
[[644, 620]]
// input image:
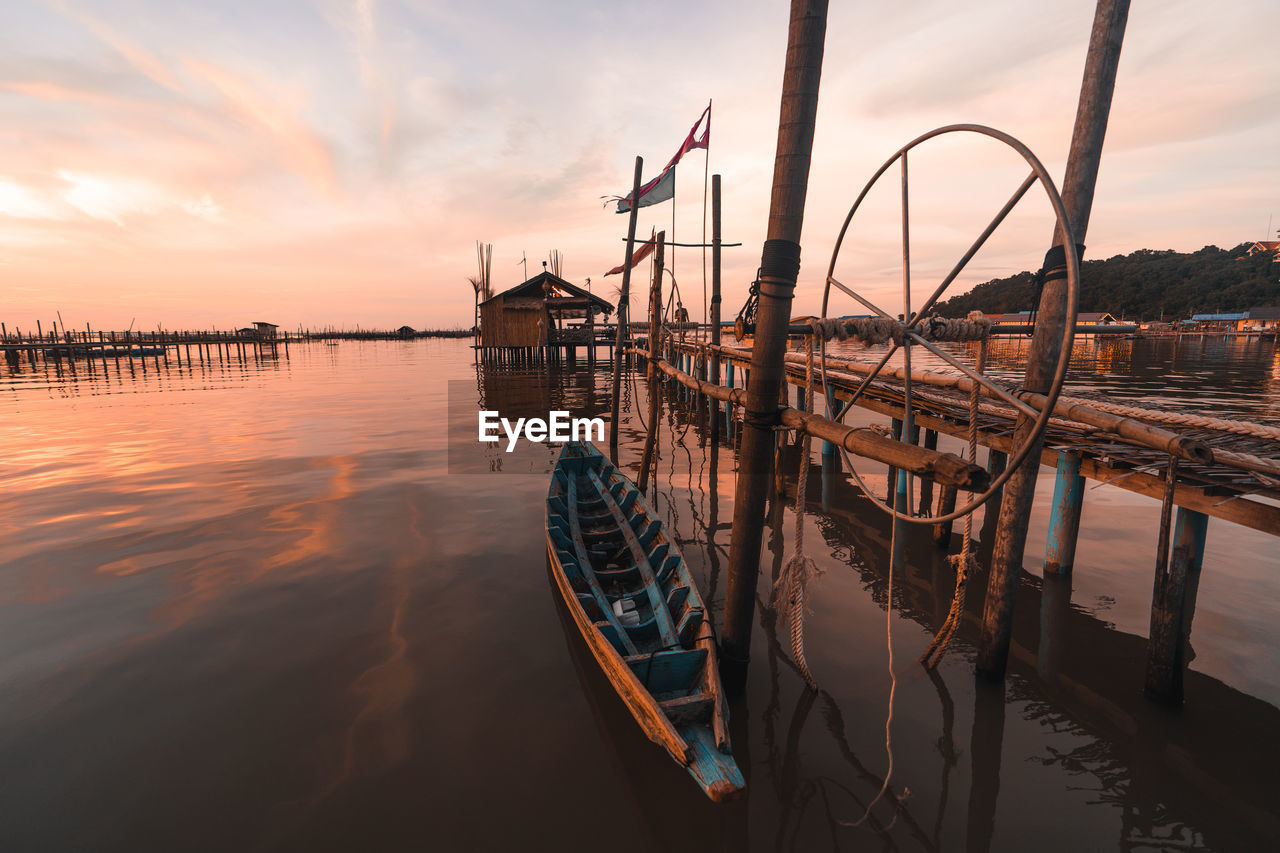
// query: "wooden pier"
[[1198, 467], [88, 350]]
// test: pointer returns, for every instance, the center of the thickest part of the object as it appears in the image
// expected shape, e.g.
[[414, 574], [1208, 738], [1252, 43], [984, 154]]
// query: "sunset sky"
[[334, 162]]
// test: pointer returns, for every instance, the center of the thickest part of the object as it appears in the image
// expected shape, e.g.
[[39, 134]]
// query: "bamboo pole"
[[623, 313], [715, 303], [1082, 174], [779, 269], [647, 461]]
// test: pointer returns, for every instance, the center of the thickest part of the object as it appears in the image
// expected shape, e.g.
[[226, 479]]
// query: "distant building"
[[1271, 247], [265, 330], [1231, 321], [406, 332], [544, 310], [1023, 318], [1264, 318]]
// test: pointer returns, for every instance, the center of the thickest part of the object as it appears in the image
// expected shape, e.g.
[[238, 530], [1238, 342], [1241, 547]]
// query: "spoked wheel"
[[909, 332]]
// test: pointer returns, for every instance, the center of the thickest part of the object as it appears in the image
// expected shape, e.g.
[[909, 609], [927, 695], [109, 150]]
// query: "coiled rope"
[[964, 563], [790, 589], [870, 331]]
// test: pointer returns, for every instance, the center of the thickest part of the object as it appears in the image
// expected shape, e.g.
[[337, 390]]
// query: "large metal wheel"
[[910, 324]]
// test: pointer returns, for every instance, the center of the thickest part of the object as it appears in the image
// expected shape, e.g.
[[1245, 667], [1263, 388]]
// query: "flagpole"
[[706, 170], [624, 311]]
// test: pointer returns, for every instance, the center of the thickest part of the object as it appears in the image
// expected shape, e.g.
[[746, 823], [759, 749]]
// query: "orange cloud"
[[304, 152]]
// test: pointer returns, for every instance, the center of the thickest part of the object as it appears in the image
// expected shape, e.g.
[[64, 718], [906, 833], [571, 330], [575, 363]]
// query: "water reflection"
[[263, 594]]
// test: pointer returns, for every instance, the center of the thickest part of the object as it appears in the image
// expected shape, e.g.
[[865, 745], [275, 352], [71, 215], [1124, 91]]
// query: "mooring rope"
[[870, 331], [790, 590], [964, 563]]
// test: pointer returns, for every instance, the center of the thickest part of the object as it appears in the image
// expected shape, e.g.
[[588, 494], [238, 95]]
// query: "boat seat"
[[650, 533], [685, 710], [677, 597], [689, 625], [669, 671]]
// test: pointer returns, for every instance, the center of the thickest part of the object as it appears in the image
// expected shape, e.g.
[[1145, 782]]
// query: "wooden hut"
[[545, 313]]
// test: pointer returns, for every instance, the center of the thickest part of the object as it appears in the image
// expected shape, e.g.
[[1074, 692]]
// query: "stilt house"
[[545, 310]]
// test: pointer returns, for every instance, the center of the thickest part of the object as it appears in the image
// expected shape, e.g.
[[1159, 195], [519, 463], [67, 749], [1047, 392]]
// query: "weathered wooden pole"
[[624, 299], [1046, 344], [647, 461], [779, 269], [1173, 604]]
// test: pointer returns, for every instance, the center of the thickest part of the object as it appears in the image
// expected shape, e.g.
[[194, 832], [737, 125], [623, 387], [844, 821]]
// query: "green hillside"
[[1144, 285]]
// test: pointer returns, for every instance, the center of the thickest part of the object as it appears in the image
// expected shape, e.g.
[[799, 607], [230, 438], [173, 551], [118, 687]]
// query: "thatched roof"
[[532, 294]]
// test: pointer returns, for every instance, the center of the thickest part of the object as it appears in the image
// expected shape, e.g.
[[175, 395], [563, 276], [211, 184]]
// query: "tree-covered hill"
[[1145, 285]]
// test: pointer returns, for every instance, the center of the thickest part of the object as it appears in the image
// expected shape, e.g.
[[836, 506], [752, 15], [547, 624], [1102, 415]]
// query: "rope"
[[964, 563], [790, 590], [871, 331], [1180, 418]]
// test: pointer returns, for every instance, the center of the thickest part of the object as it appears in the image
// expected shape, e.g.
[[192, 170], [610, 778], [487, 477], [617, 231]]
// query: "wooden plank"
[[662, 672], [666, 630], [688, 710], [588, 573]]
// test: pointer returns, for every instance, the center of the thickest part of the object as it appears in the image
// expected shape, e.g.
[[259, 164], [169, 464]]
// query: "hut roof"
[[534, 292], [1265, 312]]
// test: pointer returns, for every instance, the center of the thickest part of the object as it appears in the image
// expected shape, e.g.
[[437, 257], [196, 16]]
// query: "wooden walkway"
[[75, 351], [1220, 488]]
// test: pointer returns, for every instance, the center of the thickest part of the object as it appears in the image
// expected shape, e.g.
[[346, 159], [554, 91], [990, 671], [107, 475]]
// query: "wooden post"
[[1173, 605], [779, 269], [1046, 344], [1064, 522], [647, 461], [715, 304], [624, 311], [997, 461], [926, 485], [946, 506]]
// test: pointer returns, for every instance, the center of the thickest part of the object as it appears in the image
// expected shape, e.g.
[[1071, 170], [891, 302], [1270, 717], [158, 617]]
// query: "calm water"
[[254, 606]]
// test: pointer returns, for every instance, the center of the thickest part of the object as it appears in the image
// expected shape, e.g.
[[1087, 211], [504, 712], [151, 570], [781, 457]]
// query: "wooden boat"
[[633, 599]]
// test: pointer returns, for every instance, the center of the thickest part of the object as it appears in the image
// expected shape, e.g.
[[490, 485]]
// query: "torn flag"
[[663, 187]]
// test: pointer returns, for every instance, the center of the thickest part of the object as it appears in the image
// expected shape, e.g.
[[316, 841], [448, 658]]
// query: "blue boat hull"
[[632, 597]]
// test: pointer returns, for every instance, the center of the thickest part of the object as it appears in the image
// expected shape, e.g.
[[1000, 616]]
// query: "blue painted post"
[[680, 366], [900, 527], [829, 453], [728, 408], [892, 495], [800, 399], [1064, 520]]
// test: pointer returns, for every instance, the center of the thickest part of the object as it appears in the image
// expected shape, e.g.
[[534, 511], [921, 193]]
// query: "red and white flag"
[[663, 187], [637, 255]]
